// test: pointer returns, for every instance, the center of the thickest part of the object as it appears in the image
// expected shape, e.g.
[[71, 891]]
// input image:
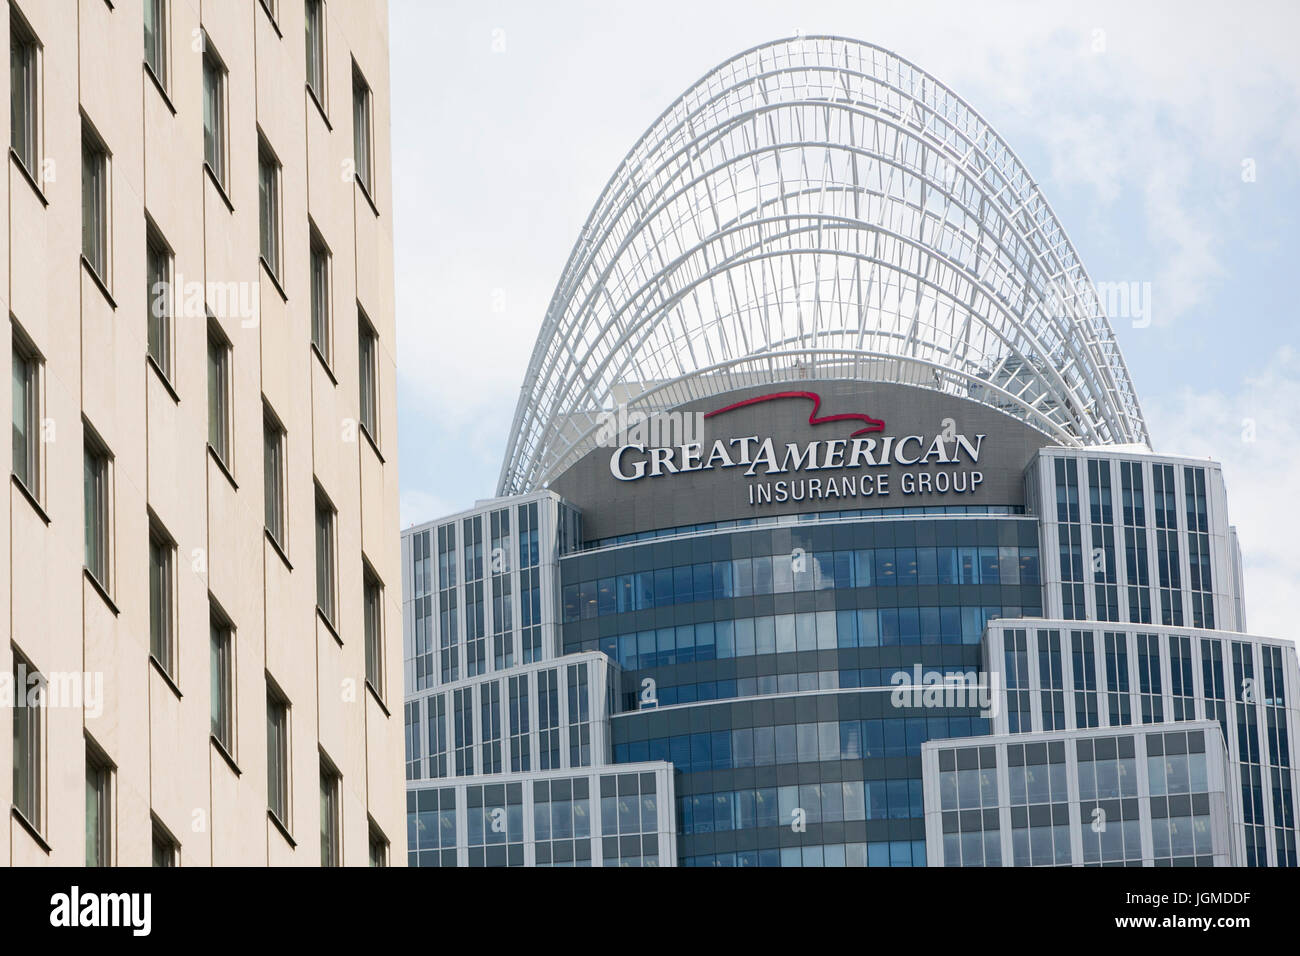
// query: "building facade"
[[201, 553], [829, 497]]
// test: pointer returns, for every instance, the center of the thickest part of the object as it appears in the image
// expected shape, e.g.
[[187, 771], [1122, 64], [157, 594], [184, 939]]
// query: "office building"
[[828, 485], [201, 554]]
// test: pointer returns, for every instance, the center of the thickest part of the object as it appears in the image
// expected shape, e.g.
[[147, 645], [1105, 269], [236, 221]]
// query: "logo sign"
[[826, 470]]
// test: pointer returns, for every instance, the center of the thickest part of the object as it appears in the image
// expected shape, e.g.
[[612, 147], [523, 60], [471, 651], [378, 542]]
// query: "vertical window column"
[[1070, 531], [1101, 515], [1170, 578]]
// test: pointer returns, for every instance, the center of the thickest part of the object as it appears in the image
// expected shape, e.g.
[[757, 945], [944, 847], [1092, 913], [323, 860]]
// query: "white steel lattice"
[[818, 208]]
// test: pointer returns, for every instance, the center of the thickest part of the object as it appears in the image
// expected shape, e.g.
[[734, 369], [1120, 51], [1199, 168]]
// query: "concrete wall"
[[93, 339]]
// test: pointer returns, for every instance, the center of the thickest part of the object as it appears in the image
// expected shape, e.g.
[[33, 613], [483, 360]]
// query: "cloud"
[[1137, 140], [1251, 427]]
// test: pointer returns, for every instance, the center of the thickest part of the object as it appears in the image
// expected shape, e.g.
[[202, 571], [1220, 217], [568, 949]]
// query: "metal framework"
[[819, 208]]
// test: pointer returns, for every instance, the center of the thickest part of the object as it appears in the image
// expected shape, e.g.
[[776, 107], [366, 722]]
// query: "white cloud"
[[1251, 427], [500, 155]]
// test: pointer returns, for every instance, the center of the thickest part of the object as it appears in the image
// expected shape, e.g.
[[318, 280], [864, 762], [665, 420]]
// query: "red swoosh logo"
[[872, 424]]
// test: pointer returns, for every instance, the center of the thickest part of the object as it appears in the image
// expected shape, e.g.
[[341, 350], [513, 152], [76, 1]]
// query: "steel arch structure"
[[819, 208]]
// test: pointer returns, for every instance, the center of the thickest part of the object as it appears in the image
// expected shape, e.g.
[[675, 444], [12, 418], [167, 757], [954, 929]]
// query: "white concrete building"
[[202, 525]]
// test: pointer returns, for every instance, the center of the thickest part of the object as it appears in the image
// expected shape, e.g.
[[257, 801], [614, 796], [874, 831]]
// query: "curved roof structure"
[[819, 208]]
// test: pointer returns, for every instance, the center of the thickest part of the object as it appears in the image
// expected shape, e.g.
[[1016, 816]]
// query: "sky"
[[1166, 136]]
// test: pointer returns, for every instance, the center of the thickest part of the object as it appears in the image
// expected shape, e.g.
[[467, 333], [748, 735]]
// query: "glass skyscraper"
[[830, 533]]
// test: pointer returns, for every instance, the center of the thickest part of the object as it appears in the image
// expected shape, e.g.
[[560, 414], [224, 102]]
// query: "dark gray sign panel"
[[797, 448]]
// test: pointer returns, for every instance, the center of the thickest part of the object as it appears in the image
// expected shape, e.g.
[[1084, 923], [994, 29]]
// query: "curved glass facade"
[[794, 636]]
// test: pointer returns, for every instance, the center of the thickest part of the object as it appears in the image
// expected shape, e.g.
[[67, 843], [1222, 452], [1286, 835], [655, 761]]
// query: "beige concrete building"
[[201, 553]]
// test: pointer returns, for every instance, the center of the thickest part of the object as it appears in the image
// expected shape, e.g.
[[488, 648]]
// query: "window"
[[273, 464], [325, 557], [316, 49], [374, 620], [378, 847], [277, 755], [162, 599], [367, 349], [94, 204], [99, 809], [98, 500], [218, 394], [27, 414], [222, 681], [158, 265], [329, 816], [361, 141], [214, 113], [268, 207], [155, 39], [320, 296], [29, 692], [166, 851], [24, 73]]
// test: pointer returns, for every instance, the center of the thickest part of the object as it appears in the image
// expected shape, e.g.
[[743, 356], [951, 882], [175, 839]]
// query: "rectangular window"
[[320, 296], [214, 113], [219, 394], [28, 764], [367, 354], [325, 558], [273, 472], [361, 141], [155, 39], [94, 204], [162, 599], [24, 95], [27, 415], [330, 854], [98, 501], [316, 49], [158, 268], [268, 207], [378, 847], [277, 756], [374, 621], [99, 809], [166, 851], [222, 671]]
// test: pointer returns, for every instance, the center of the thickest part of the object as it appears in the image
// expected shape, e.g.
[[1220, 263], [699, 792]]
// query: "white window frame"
[[282, 747], [33, 386], [162, 837], [95, 448], [273, 487], [322, 42], [106, 793], [327, 576], [321, 294], [219, 622], [157, 246], [21, 33], [31, 808], [161, 72], [269, 232], [373, 627], [96, 155], [222, 397], [331, 854], [169, 662], [363, 140], [212, 63], [367, 376]]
